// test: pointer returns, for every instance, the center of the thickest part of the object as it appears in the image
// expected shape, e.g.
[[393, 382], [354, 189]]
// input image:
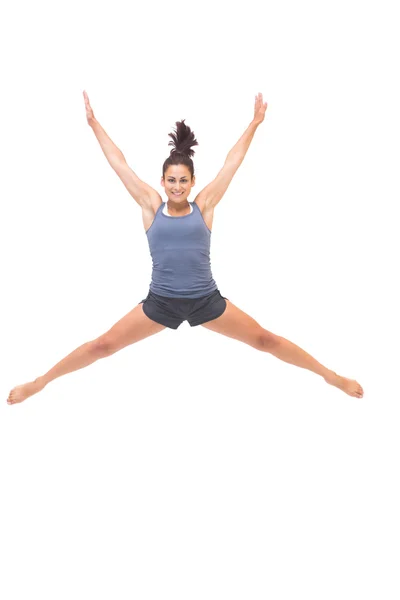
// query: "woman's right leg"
[[135, 326]]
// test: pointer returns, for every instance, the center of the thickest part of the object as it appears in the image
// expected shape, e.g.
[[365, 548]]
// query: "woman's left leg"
[[237, 324]]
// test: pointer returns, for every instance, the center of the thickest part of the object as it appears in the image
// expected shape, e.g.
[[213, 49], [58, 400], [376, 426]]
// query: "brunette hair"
[[182, 139]]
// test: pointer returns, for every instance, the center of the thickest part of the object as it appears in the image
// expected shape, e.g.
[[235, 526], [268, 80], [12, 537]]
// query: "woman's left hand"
[[259, 109]]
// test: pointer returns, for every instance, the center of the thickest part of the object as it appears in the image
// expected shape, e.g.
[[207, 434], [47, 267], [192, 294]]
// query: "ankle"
[[41, 381], [331, 376]]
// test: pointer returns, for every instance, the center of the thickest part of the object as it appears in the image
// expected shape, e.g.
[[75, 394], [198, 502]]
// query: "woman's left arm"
[[214, 191]]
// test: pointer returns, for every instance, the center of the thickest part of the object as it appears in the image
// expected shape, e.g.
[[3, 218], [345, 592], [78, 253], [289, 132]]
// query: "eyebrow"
[[172, 177]]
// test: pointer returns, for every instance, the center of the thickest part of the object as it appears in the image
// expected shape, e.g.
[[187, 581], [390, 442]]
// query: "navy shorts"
[[171, 312]]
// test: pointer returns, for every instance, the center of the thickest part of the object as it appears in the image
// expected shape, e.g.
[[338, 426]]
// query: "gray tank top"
[[180, 251]]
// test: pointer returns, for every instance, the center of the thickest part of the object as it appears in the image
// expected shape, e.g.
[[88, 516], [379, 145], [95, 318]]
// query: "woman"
[[182, 286]]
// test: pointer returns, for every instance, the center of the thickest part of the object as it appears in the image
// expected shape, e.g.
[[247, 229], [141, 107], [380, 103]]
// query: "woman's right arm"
[[139, 190]]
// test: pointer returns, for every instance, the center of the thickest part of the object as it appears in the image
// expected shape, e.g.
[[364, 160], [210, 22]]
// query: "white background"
[[189, 465]]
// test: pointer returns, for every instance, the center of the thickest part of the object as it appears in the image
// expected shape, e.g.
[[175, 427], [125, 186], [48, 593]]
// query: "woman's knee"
[[103, 346], [267, 340]]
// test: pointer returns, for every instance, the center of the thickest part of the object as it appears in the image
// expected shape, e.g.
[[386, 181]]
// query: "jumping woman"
[[182, 287]]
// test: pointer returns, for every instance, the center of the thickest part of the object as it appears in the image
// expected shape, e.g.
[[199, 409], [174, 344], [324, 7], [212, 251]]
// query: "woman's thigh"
[[239, 325], [133, 327]]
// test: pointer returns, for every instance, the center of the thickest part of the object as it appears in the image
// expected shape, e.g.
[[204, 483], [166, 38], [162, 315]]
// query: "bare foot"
[[22, 392], [350, 386]]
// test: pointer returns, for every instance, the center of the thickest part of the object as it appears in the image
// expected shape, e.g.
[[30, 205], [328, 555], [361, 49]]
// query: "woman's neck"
[[177, 209]]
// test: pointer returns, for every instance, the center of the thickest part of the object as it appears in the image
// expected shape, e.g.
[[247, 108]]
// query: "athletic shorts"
[[171, 312]]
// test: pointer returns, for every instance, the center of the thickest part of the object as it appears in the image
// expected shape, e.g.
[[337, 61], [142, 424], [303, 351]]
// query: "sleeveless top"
[[180, 251]]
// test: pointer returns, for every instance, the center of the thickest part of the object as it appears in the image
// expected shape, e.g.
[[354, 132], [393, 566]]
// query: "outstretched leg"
[[237, 324], [133, 327]]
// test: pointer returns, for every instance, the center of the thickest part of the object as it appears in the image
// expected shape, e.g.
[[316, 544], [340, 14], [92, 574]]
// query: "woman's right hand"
[[89, 111]]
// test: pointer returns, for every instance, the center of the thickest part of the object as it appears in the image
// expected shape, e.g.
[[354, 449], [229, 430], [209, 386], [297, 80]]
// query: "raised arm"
[[214, 191], [139, 190]]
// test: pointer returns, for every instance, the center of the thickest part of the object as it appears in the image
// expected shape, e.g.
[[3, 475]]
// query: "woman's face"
[[177, 182]]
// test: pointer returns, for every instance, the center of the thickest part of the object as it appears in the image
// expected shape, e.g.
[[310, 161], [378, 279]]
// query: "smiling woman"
[[182, 286]]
